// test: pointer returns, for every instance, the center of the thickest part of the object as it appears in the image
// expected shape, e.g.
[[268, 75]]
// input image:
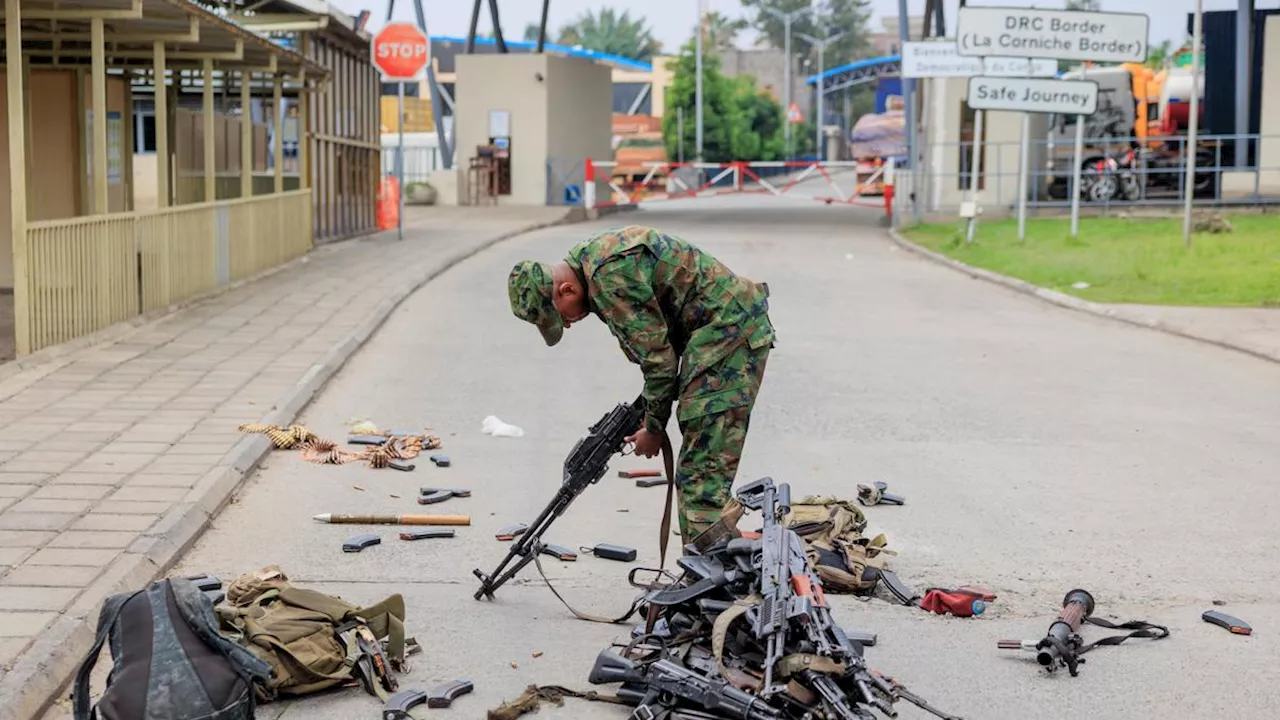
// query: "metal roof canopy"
[[857, 73], [58, 32]]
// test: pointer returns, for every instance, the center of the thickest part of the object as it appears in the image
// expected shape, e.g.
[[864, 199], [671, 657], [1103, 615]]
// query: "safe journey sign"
[[1056, 34], [1034, 95]]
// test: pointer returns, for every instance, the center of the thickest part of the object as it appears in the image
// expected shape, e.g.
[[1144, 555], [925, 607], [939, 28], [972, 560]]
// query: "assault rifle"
[[791, 593], [792, 597], [585, 465], [656, 689]]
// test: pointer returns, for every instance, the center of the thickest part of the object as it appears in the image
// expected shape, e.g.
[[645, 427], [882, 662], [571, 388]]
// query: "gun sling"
[[668, 461], [1139, 628]]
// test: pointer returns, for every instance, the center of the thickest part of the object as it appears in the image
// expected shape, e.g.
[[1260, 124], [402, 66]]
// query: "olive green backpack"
[[832, 532], [313, 641]]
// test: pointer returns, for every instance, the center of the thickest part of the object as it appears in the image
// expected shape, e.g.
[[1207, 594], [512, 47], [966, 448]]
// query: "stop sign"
[[401, 51]]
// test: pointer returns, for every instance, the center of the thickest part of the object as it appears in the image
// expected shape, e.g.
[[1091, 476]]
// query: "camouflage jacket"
[[675, 310]]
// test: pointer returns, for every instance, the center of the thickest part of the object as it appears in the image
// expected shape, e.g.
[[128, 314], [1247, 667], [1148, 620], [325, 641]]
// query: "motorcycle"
[[1107, 178]]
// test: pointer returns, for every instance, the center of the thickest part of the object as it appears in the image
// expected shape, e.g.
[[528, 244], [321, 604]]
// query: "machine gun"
[[585, 465]]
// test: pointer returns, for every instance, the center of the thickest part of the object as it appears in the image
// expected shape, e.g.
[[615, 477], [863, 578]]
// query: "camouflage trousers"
[[714, 414]]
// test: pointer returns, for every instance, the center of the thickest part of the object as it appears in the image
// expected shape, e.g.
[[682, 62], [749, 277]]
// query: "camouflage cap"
[[529, 286]]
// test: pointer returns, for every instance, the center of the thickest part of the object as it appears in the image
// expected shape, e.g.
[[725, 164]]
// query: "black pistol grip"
[[444, 695], [399, 705]]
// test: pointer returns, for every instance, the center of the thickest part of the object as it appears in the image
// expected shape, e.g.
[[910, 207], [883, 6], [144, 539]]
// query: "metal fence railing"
[[85, 274], [419, 162], [1117, 173]]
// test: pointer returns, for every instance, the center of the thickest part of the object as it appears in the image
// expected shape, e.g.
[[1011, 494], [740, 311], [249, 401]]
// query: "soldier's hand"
[[647, 444]]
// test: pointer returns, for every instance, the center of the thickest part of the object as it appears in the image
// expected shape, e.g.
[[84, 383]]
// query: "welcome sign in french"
[[1034, 95]]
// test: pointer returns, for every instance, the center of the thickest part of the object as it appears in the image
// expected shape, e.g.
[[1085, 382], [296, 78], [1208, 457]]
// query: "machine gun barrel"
[[585, 464]]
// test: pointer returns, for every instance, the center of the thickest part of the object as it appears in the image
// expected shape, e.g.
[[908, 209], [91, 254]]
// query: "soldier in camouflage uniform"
[[700, 334]]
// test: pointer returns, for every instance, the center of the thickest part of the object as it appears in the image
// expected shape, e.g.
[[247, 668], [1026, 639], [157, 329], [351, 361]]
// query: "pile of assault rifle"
[[746, 633]]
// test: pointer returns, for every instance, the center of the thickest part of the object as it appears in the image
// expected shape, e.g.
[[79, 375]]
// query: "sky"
[[672, 21]]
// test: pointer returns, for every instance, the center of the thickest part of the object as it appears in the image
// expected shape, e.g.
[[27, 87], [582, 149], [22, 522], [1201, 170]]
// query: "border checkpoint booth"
[[81, 256]]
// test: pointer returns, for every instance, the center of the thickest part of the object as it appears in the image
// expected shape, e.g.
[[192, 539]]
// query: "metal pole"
[[443, 140], [680, 132], [1075, 167], [1023, 161], [818, 118], [786, 125], [909, 96], [974, 166], [698, 88], [1244, 48], [400, 160], [1190, 184]]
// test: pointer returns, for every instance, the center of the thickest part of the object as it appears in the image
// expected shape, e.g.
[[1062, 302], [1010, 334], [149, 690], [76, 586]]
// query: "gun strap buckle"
[[642, 712]]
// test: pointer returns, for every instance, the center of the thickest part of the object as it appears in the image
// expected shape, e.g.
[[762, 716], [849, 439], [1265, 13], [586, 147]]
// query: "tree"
[[1156, 56], [719, 107], [826, 18], [722, 31], [1085, 5], [739, 121], [606, 32]]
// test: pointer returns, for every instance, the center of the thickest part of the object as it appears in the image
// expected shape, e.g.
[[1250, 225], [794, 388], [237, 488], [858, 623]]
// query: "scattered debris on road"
[[430, 496], [341, 519], [612, 552], [877, 493], [359, 542], [511, 532], [1062, 646], [428, 534], [491, 425], [1233, 624]]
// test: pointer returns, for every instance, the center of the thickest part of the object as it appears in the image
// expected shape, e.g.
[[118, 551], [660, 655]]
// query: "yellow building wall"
[[417, 115], [57, 152]]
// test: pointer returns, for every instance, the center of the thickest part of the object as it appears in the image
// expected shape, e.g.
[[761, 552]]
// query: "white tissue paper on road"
[[495, 427]]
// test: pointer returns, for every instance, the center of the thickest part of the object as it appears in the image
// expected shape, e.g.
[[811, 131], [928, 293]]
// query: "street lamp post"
[[822, 68], [786, 19], [698, 82]]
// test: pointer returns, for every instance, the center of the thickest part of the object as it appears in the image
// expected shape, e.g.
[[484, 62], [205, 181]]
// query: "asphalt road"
[[1039, 450]]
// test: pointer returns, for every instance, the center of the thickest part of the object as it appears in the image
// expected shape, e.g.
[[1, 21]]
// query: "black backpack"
[[168, 660]]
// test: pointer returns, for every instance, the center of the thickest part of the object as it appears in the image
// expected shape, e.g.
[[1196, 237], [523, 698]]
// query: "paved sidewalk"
[[113, 458], [1254, 330]]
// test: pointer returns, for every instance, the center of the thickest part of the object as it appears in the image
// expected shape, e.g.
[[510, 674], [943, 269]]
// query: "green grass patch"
[[1127, 260]]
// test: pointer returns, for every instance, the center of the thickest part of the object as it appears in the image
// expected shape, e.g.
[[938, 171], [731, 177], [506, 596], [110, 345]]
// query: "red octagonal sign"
[[401, 51]]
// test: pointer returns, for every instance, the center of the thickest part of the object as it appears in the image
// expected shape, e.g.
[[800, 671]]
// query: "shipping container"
[[1219, 116]]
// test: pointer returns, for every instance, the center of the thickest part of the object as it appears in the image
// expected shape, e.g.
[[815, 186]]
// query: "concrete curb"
[[1054, 297], [43, 672]]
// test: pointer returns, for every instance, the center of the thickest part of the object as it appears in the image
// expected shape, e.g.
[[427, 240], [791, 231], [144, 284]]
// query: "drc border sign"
[[1056, 34], [401, 52], [1034, 95]]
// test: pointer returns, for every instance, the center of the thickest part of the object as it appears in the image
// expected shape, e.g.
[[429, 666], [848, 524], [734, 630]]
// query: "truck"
[[1135, 119]]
